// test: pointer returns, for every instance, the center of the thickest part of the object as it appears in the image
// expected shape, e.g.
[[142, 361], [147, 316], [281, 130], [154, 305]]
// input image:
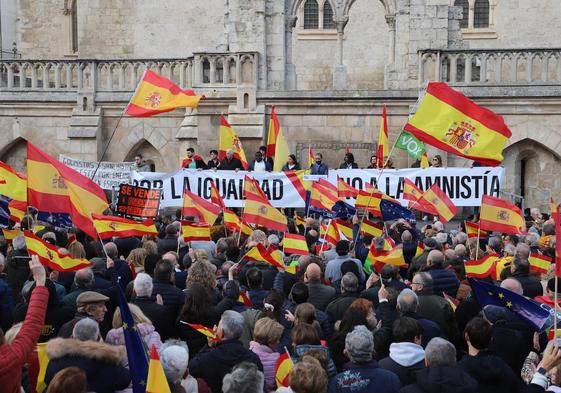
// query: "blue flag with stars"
[[136, 352], [393, 211], [526, 309]]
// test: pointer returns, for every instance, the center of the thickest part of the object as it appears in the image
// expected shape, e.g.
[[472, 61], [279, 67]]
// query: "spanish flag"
[[345, 190], [297, 180], [49, 255], [500, 215], [156, 94], [472, 229], [311, 159], [202, 329], [329, 232], [235, 224], [410, 191], [383, 148], [260, 254], [12, 183], [156, 381], [420, 248], [283, 367], [111, 226], [370, 200], [252, 190], [215, 196], [56, 188], [539, 263], [484, 267], [391, 257], [424, 161], [438, 199], [453, 302], [324, 195], [243, 298], [195, 206], [40, 386], [345, 228], [281, 146], [195, 231], [449, 120], [264, 214], [299, 220], [295, 244], [11, 234], [229, 140], [371, 228], [17, 209]]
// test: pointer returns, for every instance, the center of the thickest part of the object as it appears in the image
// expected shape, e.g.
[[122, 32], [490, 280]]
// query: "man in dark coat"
[[89, 304], [169, 242], [230, 163], [320, 295], [408, 304], [520, 269], [442, 374], [349, 288], [442, 280], [213, 363], [173, 297]]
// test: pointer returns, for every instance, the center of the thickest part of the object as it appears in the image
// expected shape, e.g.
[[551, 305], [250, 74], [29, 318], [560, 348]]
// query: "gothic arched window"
[[311, 14], [481, 13], [465, 12], [328, 22]]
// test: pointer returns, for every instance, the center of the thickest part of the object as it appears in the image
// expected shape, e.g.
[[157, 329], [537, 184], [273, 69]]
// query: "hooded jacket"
[[100, 361], [269, 359], [405, 360], [491, 372], [442, 380]]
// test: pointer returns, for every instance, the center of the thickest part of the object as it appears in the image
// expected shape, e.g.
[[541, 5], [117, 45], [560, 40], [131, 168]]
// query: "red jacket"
[[13, 356]]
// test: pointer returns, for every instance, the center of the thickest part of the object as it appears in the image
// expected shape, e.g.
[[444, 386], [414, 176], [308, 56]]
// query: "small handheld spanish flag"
[[539, 263], [283, 367], [260, 254], [243, 298], [156, 94], [111, 226], [371, 228], [156, 381], [440, 202], [201, 329], [472, 230], [195, 231], [482, 268], [295, 244]]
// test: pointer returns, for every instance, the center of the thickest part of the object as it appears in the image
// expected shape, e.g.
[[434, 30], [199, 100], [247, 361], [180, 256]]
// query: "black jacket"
[[167, 244], [163, 321], [444, 281], [213, 364], [126, 244], [406, 375], [173, 297], [491, 372], [336, 309], [231, 165], [530, 285], [320, 295], [442, 380]]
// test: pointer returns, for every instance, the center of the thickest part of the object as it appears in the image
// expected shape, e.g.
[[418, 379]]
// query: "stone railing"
[[493, 67], [202, 70]]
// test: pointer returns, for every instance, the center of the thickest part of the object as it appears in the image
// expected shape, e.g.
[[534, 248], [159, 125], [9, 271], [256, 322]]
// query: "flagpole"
[[477, 244], [178, 236], [467, 241], [326, 231], [101, 241]]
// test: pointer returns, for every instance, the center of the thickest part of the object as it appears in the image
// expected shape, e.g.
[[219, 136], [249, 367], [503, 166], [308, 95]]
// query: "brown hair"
[[137, 256], [267, 331], [316, 354], [69, 380], [151, 247], [77, 250], [201, 272], [306, 313], [304, 333], [308, 377]]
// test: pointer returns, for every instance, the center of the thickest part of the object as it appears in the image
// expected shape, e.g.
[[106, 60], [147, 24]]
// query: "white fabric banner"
[[464, 186], [109, 174]]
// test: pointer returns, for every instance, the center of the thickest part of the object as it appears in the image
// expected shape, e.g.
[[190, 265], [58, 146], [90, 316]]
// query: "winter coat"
[[163, 321], [302, 349], [173, 297], [404, 361], [268, 359], [444, 281], [257, 296], [17, 269], [14, 355], [212, 364], [437, 309], [442, 380], [430, 328], [149, 335], [336, 309], [320, 295], [100, 361], [491, 372], [531, 286], [364, 378]]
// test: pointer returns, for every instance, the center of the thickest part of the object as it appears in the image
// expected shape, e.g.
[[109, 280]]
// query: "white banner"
[[464, 186], [108, 175]]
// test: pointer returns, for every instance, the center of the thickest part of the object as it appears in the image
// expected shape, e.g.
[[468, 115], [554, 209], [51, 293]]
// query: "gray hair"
[[424, 278], [407, 301], [461, 238], [436, 258], [532, 239], [441, 237], [143, 285], [510, 249], [494, 242], [231, 324], [522, 251], [513, 285], [84, 278], [359, 344], [86, 330], [111, 250], [460, 250], [406, 236], [174, 355], [273, 239], [440, 352], [549, 228], [438, 225], [349, 282], [536, 211], [19, 243], [244, 378]]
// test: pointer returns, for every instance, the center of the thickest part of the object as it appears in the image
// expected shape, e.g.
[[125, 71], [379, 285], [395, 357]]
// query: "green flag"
[[414, 147]]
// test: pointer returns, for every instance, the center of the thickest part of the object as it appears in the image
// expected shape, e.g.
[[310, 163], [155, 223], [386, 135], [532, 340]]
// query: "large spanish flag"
[[111, 226], [438, 199], [260, 254], [295, 244], [345, 190], [370, 200], [283, 367], [11, 234], [229, 140], [264, 214], [501, 216], [156, 380], [410, 191], [371, 228], [12, 183], [330, 232], [54, 187], [383, 143], [345, 228], [235, 224], [215, 196], [195, 206], [156, 94], [323, 195], [252, 190], [473, 230], [449, 120], [49, 256], [484, 267], [195, 231], [281, 146], [17, 209]]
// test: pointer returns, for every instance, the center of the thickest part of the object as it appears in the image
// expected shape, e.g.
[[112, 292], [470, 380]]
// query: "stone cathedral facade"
[[69, 67]]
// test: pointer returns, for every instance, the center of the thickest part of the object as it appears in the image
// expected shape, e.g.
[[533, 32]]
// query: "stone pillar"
[[290, 68], [340, 71], [390, 20]]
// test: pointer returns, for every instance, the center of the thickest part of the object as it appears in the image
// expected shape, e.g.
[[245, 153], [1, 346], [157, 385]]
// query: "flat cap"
[[90, 297]]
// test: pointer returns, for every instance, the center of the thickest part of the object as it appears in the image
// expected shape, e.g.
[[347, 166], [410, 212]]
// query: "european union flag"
[[61, 220], [136, 352], [4, 212], [393, 211], [531, 312]]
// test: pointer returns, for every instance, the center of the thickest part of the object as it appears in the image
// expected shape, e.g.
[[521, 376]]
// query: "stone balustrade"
[[202, 70], [490, 67]]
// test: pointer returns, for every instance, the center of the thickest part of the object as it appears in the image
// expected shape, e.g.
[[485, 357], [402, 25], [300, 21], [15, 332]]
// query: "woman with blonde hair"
[[266, 336], [116, 336], [151, 247], [77, 250], [136, 258]]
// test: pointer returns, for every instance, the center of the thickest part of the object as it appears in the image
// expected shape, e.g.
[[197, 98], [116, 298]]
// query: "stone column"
[[340, 71], [290, 68], [390, 20]]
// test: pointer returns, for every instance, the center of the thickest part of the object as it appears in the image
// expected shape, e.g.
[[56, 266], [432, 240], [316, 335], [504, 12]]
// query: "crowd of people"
[[417, 328]]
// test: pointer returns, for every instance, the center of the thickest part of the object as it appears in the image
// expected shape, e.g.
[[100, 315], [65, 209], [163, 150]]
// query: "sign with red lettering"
[[138, 202]]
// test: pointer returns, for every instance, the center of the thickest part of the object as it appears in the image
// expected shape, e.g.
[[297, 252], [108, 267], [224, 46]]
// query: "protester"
[[244, 378], [89, 304], [259, 164], [349, 162], [214, 162], [192, 160], [230, 163], [174, 356], [267, 334], [142, 324], [319, 167], [436, 161], [291, 164], [140, 165], [373, 163]]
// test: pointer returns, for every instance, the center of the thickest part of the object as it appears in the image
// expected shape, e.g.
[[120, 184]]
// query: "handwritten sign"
[[138, 202]]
